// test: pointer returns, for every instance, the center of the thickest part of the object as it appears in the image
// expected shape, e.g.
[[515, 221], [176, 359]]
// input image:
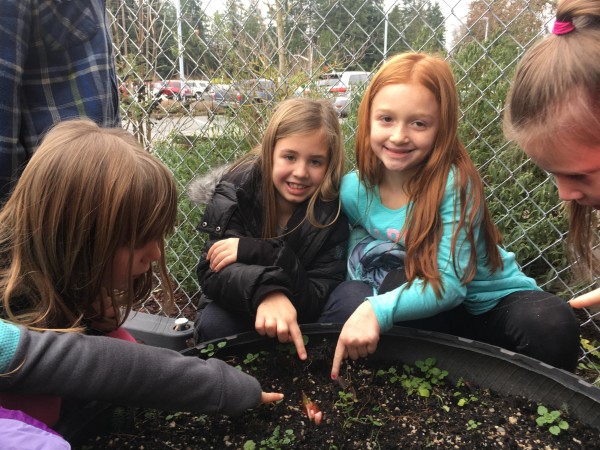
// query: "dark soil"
[[374, 406]]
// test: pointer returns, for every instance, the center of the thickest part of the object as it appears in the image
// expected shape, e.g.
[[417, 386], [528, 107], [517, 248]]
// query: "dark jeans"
[[534, 323], [215, 322]]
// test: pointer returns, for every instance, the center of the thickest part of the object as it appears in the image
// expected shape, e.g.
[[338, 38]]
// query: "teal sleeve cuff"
[[9, 340]]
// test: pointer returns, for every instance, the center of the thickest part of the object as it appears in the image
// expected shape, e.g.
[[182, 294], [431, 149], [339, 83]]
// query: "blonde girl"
[[276, 237], [424, 250], [79, 238], [553, 113]]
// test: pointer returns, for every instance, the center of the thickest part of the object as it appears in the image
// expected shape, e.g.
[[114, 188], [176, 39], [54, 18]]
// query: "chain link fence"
[[199, 79]]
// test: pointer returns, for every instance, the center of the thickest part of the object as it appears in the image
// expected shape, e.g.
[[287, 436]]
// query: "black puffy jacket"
[[305, 264]]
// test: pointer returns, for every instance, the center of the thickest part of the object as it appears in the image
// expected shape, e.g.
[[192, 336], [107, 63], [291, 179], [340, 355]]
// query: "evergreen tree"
[[349, 34], [199, 61], [522, 21], [416, 25]]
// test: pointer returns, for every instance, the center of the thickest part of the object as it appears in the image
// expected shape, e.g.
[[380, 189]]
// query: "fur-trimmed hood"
[[202, 188]]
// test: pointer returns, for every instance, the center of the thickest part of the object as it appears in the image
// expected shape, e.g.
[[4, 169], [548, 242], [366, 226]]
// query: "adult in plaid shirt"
[[56, 63]]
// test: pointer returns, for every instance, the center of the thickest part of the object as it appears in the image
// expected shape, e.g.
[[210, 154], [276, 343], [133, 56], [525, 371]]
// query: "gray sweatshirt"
[[76, 366]]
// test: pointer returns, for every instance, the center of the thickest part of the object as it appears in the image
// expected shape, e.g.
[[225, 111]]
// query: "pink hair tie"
[[561, 28]]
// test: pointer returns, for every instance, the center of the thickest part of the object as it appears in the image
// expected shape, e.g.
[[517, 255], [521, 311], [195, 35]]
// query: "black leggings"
[[534, 323]]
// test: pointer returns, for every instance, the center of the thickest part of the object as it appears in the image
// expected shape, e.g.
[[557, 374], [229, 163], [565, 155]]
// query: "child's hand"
[[270, 397], [358, 338], [585, 300], [276, 316], [222, 253]]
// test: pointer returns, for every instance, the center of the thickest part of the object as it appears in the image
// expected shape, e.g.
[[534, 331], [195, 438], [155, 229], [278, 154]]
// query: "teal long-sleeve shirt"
[[368, 216]]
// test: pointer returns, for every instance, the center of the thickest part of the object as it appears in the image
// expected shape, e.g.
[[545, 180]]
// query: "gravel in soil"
[[373, 406]]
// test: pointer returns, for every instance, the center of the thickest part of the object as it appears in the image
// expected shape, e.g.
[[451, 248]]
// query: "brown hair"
[[297, 117], [85, 192], [556, 92], [423, 229]]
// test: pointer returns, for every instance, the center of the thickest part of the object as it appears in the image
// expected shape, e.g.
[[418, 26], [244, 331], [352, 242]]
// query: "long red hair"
[[423, 228]]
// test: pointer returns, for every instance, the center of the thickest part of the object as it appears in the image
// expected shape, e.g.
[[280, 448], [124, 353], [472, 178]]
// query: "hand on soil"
[[585, 300], [276, 317], [270, 397], [358, 338]]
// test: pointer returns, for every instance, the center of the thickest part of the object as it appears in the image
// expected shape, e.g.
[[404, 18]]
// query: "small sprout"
[[277, 439], [312, 410], [249, 445], [551, 419], [211, 349], [472, 424], [173, 416]]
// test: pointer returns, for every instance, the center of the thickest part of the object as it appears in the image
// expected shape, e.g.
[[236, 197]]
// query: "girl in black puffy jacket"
[[276, 234]]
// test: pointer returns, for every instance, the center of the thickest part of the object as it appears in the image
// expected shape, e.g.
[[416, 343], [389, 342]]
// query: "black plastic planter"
[[484, 365]]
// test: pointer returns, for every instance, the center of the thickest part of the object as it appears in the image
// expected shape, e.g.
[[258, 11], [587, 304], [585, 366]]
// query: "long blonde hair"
[[85, 192], [423, 228], [556, 92], [296, 117]]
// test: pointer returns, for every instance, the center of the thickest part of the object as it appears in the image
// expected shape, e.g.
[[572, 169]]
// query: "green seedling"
[[551, 419], [592, 358], [472, 424], [175, 415], [412, 381], [435, 375], [463, 399], [278, 440], [346, 402], [252, 358], [392, 372], [211, 349]]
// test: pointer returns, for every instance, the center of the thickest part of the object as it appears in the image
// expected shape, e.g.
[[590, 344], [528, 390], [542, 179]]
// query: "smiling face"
[[404, 125], [299, 165]]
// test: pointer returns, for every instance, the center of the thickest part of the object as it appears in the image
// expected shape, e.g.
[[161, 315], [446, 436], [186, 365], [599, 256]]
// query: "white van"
[[200, 88]]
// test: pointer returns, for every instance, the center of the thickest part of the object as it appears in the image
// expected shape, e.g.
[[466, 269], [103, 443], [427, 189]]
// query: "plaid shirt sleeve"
[[56, 63]]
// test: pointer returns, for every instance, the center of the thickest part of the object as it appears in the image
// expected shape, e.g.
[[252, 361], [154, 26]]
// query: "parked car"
[[345, 88], [155, 88], [258, 90], [171, 89], [338, 86], [321, 86], [223, 95], [200, 88]]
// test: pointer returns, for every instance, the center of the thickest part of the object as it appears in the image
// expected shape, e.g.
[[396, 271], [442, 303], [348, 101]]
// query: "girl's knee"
[[213, 322], [344, 299], [550, 332], [351, 289]]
